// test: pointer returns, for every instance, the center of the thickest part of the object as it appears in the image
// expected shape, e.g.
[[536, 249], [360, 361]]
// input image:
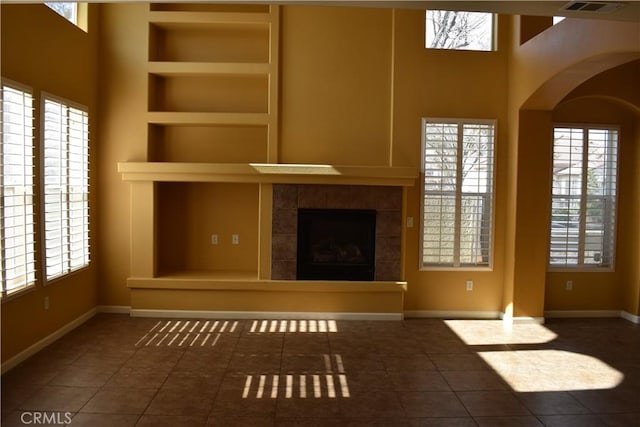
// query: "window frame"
[[491, 250], [494, 33], [46, 279], [76, 10], [29, 286], [581, 267], [80, 18]]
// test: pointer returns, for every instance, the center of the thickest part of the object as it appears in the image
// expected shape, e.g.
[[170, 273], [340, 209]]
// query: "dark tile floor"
[[121, 371]]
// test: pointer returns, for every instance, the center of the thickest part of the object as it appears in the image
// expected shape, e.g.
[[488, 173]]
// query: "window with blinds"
[[17, 249], [457, 209], [583, 197], [66, 187]]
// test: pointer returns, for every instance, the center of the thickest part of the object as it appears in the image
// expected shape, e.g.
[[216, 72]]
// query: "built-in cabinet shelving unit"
[[212, 100], [212, 160]]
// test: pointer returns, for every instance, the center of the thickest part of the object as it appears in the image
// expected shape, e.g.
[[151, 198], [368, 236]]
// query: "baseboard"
[[582, 313], [54, 336], [451, 314], [114, 309], [522, 320], [266, 315], [630, 317]]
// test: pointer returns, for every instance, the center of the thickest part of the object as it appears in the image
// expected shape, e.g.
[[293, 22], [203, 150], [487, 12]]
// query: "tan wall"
[[42, 50], [123, 134], [462, 84], [188, 214], [605, 290], [335, 77], [355, 84], [542, 72]]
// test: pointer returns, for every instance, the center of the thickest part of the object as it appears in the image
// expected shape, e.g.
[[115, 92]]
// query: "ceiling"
[[626, 10]]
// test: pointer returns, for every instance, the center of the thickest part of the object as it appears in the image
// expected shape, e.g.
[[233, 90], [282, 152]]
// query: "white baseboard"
[[54, 336], [521, 320], [270, 315], [630, 317], [451, 314], [114, 309], [582, 313]]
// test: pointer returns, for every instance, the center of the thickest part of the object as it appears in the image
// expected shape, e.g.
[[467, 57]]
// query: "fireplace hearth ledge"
[[207, 282]]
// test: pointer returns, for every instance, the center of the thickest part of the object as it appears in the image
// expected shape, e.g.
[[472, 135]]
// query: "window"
[[68, 10], [66, 187], [583, 199], [446, 29], [457, 210], [16, 192]]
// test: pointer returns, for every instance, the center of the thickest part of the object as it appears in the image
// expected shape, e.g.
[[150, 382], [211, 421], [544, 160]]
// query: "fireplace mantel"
[[268, 173]]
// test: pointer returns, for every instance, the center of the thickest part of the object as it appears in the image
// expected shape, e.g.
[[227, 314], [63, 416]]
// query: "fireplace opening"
[[336, 244]]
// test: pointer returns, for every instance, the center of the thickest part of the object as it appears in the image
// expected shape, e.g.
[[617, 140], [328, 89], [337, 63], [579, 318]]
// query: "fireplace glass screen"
[[336, 244]]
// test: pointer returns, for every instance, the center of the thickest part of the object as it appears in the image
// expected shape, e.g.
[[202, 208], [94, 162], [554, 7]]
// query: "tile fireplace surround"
[[288, 198]]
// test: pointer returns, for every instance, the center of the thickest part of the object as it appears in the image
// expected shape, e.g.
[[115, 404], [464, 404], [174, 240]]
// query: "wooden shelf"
[[179, 19], [173, 69], [207, 119], [267, 173]]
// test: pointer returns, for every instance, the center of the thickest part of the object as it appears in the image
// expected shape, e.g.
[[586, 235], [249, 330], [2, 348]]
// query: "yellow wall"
[[42, 50], [190, 213], [605, 290], [542, 72], [458, 84], [354, 85], [123, 134], [335, 77]]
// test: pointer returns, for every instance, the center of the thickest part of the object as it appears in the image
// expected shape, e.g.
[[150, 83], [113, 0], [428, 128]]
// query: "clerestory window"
[[460, 30]]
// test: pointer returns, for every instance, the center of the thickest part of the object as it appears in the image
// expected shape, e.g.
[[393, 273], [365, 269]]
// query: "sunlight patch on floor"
[[301, 386], [496, 332], [552, 370]]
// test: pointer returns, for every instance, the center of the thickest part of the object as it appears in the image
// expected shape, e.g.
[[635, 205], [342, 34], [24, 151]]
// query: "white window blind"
[[66, 187], [582, 232], [457, 211], [16, 192]]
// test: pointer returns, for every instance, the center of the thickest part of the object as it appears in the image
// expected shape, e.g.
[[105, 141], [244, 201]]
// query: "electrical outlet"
[[409, 222], [569, 285], [46, 303], [214, 239], [235, 239], [469, 285]]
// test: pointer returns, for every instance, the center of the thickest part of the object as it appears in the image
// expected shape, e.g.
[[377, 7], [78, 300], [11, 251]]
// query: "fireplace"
[[288, 199], [336, 244]]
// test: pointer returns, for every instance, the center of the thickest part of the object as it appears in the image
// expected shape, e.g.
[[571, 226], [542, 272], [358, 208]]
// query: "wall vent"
[[592, 6]]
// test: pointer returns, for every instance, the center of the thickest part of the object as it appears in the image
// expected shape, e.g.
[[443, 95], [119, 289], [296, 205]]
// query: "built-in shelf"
[[176, 19], [219, 275], [207, 119], [173, 69], [267, 173], [215, 282]]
